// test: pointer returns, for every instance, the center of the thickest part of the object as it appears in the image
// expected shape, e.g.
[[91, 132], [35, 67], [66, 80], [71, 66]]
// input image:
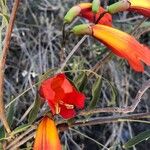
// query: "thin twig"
[[127, 109], [30, 136], [137, 26], [63, 126], [84, 135], [111, 119], [18, 138], [3, 62], [71, 53], [100, 63], [143, 31]]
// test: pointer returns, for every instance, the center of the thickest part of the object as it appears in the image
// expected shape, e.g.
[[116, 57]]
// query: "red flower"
[[85, 10], [62, 96], [120, 43], [88, 14], [47, 136], [139, 6]]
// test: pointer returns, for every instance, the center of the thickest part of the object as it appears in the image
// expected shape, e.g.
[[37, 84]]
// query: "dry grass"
[[35, 48]]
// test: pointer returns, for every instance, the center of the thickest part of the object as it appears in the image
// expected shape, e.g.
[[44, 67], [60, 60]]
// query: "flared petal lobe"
[[47, 136], [120, 43], [85, 10], [61, 96], [123, 45]]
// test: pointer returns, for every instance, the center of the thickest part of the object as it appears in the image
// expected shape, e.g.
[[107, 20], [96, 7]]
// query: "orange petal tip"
[[47, 136]]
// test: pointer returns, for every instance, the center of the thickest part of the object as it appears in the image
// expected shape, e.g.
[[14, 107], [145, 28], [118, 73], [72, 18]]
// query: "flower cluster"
[[62, 96], [85, 10], [119, 42]]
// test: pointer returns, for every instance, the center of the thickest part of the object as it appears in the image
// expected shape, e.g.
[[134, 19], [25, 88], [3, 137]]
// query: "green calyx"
[[71, 14], [95, 6], [82, 29], [119, 6]]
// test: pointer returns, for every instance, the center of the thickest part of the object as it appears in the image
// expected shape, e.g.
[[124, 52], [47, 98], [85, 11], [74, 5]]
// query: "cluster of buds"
[[120, 43], [63, 98]]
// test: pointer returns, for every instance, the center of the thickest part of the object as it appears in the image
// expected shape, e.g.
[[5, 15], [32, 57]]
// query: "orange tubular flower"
[[121, 43], [85, 10], [139, 6], [62, 96], [47, 136]]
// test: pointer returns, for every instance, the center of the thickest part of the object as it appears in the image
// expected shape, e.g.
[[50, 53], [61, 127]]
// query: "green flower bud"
[[71, 14], [82, 29], [95, 6], [119, 6]]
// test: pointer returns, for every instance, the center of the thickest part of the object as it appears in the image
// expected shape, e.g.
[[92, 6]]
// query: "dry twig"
[[3, 62], [127, 109]]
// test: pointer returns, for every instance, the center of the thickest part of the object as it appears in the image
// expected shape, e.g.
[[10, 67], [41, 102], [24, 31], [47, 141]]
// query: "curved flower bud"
[[118, 6], [61, 96], [82, 29], [47, 136], [85, 10], [139, 6], [95, 6], [75, 11], [120, 43]]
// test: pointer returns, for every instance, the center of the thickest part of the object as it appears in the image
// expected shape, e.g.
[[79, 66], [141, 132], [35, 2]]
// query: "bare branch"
[[111, 119], [3, 61], [127, 109]]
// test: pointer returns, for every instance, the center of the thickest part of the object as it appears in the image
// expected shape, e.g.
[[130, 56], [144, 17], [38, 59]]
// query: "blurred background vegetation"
[[36, 47]]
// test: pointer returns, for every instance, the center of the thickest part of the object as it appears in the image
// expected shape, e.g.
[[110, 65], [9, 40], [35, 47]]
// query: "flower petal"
[[67, 113], [75, 98], [136, 65], [47, 136], [120, 43], [140, 3], [66, 86], [85, 10], [60, 93], [140, 6], [46, 90], [124, 44], [88, 14]]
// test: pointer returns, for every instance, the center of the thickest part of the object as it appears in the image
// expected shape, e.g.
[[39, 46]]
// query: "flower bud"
[[95, 6], [75, 11], [119, 6], [71, 14], [82, 29]]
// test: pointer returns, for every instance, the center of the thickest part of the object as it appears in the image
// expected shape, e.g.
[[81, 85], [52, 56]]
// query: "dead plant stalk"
[[3, 62]]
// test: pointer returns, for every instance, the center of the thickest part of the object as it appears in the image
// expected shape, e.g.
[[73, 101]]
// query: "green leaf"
[[34, 112], [10, 114], [113, 95], [2, 133], [1, 146], [137, 139], [80, 81], [95, 6], [96, 91], [21, 128], [146, 24]]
